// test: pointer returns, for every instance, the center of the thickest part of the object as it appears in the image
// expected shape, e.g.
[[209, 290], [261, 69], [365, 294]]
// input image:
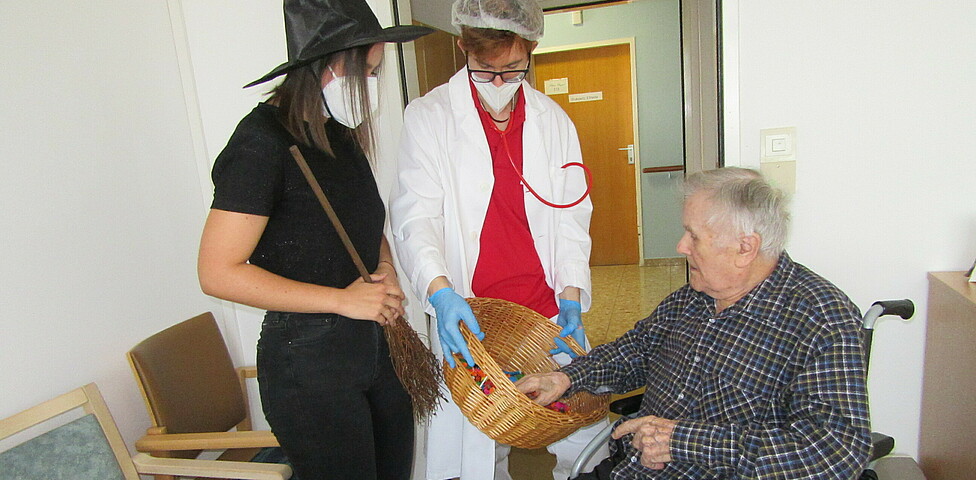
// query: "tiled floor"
[[622, 295]]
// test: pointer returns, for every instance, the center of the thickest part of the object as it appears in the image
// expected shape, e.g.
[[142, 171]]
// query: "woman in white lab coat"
[[492, 201]]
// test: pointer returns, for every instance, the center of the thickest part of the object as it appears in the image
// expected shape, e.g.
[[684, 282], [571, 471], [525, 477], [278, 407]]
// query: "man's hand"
[[652, 438], [544, 388]]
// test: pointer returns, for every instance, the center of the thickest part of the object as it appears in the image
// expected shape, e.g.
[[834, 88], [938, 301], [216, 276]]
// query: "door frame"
[[631, 42], [702, 82]]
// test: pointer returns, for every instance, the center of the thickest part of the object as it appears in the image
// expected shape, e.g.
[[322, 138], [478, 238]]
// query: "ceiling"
[[437, 13]]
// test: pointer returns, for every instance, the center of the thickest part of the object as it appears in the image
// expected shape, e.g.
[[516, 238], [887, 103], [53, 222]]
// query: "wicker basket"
[[516, 338]]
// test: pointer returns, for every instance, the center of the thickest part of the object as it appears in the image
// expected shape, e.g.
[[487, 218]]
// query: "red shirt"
[[508, 265]]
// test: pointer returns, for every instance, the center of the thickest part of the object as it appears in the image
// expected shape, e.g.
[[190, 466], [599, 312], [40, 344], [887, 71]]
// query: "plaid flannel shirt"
[[771, 387]]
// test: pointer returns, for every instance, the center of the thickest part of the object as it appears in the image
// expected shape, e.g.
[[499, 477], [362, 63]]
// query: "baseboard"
[[664, 262]]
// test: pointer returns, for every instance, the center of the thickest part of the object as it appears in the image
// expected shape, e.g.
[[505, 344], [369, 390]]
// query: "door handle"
[[630, 153]]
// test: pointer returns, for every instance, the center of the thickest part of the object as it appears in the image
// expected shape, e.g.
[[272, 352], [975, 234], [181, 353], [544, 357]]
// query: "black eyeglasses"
[[488, 76]]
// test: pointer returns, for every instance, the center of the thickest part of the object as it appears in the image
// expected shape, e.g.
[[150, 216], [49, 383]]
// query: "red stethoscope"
[[508, 152]]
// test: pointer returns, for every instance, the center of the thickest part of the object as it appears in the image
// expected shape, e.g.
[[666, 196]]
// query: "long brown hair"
[[299, 100]]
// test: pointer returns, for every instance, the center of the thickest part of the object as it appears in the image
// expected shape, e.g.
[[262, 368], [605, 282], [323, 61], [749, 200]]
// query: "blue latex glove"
[[451, 309], [569, 318], [562, 347]]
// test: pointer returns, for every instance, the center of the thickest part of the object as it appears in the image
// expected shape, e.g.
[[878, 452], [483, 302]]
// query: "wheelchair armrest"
[[881, 445], [627, 405]]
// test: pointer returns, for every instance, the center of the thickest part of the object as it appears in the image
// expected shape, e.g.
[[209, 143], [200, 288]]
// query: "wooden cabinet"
[[947, 443]]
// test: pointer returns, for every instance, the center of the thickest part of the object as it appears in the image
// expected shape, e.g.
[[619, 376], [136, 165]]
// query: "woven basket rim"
[[494, 371], [561, 423]]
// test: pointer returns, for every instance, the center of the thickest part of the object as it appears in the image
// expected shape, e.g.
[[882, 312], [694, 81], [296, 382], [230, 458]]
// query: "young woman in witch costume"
[[328, 386]]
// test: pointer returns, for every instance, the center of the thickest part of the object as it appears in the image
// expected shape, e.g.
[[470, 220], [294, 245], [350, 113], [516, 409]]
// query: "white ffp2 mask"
[[496, 97], [338, 104]]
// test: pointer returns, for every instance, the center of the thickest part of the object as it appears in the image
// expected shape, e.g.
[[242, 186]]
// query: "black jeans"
[[331, 396]]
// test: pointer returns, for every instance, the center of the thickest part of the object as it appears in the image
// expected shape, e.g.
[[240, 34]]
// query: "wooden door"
[[604, 119], [438, 59]]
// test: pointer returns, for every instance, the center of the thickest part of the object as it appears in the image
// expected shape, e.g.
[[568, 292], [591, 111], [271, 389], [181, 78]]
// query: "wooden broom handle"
[[312, 182]]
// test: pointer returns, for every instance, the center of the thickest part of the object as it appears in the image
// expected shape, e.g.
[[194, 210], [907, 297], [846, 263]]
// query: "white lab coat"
[[445, 181], [437, 211]]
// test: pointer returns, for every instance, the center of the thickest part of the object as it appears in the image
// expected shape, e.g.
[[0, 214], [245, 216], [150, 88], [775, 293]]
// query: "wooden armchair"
[[196, 399], [90, 447]]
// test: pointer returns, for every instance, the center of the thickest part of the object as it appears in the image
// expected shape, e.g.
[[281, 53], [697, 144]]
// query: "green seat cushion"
[[74, 451]]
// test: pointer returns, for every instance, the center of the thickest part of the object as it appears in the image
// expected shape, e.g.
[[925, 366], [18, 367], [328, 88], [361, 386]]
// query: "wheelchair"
[[881, 466]]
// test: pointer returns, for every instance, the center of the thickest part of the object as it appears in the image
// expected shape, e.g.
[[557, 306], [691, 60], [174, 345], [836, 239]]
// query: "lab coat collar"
[[536, 172], [466, 112]]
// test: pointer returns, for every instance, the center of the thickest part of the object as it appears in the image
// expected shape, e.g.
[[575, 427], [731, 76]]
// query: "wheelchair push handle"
[[903, 308]]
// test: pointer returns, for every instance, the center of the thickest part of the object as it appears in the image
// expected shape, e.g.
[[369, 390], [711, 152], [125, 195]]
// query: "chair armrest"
[[881, 445], [148, 465], [591, 448], [627, 405], [206, 441], [902, 468], [243, 374]]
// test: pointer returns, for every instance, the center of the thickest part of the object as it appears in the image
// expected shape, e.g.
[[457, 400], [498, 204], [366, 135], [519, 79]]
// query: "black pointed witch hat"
[[316, 28]]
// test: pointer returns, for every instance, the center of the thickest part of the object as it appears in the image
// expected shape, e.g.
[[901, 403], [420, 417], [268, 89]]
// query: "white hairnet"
[[522, 17]]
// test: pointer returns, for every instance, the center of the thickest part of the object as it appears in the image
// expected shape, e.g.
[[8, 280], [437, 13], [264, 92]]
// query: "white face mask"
[[338, 104], [496, 97]]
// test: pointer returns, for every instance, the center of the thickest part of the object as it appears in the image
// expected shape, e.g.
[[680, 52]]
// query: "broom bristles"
[[416, 368]]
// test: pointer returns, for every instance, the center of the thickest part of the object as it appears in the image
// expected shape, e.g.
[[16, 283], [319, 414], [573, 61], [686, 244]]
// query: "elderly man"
[[754, 369]]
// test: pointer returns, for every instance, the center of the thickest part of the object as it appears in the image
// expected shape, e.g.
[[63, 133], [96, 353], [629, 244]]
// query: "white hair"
[[746, 203]]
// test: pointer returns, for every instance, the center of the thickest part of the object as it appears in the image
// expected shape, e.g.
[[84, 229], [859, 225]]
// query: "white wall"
[[100, 198], [436, 13], [881, 95]]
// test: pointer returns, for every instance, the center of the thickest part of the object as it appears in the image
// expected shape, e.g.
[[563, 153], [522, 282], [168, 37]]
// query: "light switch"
[[780, 144], [777, 144]]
